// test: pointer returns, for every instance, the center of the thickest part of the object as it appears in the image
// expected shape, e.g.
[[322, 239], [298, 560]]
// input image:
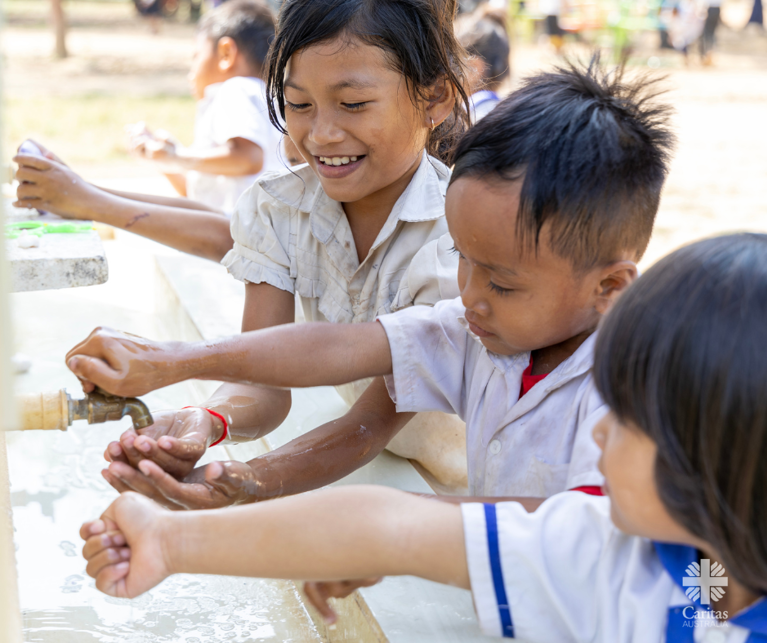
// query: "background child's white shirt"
[[236, 108], [568, 574], [537, 446], [482, 103], [288, 233], [550, 7]]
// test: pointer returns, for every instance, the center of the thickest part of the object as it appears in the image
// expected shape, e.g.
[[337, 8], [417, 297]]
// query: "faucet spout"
[[99, 406], [138, 412], [57, 410]]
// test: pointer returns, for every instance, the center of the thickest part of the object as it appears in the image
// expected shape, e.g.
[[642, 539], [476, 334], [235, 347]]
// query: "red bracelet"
[[225, 434]]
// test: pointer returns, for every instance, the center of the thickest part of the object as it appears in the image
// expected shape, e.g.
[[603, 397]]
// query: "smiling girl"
[[371, 96]]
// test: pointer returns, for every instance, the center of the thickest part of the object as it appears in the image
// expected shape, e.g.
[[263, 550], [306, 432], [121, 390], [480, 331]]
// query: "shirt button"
[[715, 636], [494, 447]]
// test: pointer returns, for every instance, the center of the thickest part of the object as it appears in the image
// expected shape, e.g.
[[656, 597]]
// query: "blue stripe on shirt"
[[507, 627]]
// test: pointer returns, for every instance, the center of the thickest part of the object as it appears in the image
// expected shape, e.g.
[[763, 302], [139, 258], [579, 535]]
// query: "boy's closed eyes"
[[520, 298]]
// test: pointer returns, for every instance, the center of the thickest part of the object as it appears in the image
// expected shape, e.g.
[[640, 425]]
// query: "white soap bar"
[[31, 148], [25, 240]]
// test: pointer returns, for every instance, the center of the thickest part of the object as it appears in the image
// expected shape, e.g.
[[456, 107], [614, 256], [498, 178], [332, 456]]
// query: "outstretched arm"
[[236, 157], [356, 532], [318, 458], [179, 438], [169, 201], [48, 185], [292, 355]]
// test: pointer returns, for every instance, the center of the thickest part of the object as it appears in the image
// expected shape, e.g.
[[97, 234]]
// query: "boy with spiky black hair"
[[551, 204]]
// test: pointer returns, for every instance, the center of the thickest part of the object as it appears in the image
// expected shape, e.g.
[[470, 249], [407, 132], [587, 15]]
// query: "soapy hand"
[[176, 441], [47, 184], [157, 146], [123, 364], [125, 548], [318, 594], [218, 484]]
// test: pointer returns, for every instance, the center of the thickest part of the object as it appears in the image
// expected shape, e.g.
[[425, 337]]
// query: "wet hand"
[[218, 484], [318, 594], [176, 441], [152, 146], [126, 548], [47, 184], [123, 364], [159, 151]]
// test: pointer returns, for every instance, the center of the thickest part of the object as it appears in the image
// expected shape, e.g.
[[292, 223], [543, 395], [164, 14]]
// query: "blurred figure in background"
[[151, 10], [708, 39], [487, 41], [234, 141], [757, 14], [686, 26], [552, 9]]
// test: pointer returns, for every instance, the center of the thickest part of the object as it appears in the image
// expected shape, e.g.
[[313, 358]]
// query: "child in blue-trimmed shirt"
[[676, 552]]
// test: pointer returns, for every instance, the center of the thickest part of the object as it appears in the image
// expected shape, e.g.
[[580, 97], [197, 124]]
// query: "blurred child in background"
[[234, 141], [487, 41], [708, 38], [552, 10]]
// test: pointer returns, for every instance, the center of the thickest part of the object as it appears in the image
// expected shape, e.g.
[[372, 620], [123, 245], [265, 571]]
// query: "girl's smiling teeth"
[[337, 160]]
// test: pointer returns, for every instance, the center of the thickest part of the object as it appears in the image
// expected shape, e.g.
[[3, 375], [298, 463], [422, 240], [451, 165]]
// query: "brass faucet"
[[57, 410], [99, 406]]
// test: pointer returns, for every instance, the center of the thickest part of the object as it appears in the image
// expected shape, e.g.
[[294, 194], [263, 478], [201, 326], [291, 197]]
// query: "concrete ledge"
[[197, 299]]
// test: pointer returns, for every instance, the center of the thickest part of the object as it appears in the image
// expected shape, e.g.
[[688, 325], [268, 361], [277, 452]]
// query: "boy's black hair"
[[488, 40], [416, 35], [250, 24], [592, 151], [682, 357]]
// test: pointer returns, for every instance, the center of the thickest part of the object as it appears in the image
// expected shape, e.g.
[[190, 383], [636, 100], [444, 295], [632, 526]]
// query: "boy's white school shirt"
[[236, 108], [565, 573], [288, 233], [535, 446]]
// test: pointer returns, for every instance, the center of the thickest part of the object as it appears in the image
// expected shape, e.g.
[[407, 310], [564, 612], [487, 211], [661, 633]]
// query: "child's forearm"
[[168, 201], [351, 532], [291, 355], [331, 451], [288, 356], [192, 230], [178, 181], [251, 411], [238, 157]]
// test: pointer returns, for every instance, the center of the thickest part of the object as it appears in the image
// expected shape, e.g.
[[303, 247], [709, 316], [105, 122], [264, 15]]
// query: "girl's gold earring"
[[432, 122]]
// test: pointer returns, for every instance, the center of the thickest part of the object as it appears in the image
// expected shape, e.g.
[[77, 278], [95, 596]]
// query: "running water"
[[56, 485]]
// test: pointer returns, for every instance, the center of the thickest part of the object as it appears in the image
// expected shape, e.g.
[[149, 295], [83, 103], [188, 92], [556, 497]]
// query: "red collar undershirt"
[[528, 381]]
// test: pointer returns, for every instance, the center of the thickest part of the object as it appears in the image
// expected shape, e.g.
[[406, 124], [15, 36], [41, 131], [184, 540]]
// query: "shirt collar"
[[676, 559], [578, 363], [422, 200], [211, 90]]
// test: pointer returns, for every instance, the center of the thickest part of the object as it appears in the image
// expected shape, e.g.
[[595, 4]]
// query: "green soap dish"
[[39, 228]]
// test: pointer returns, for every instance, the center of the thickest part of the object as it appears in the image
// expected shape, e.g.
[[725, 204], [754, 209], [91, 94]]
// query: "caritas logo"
[[705, 581]]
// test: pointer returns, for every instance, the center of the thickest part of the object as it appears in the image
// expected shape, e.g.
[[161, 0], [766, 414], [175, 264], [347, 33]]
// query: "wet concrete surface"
[[56, 485]]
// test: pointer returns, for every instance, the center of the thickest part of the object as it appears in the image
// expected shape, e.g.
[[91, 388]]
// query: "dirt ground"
[[118, 72]]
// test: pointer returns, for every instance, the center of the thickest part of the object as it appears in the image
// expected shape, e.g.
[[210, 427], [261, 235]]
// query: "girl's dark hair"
[[591, 148], [249, 23], [416, 35], [683, 357]]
